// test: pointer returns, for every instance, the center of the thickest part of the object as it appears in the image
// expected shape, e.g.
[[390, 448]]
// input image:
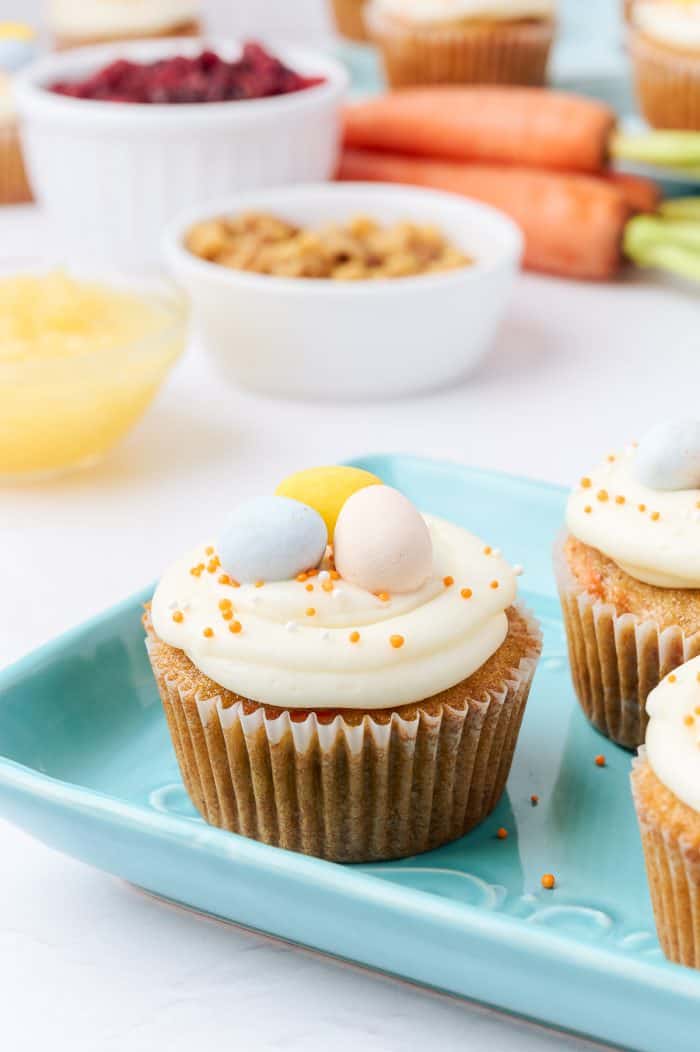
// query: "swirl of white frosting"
[[439, 11], [653, 535], [96, 18], [673, 732], [288, 656], [670, 22]]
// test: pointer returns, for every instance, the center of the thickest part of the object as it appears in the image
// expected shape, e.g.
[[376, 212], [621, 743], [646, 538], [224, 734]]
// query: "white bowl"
[[300, 337], [111, 175]]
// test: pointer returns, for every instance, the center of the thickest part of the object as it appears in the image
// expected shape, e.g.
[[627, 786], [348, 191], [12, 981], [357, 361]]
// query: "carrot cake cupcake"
[[463, 41], [666, 790], [354, 700], [665, 49], [349, 18], [17, 48], [74, 23], [628, 571]]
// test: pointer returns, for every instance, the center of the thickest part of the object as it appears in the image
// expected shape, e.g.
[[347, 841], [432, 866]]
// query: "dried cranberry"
[[206, 78]]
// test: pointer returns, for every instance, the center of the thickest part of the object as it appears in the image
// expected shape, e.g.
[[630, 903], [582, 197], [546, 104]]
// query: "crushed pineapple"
[[79, 364]]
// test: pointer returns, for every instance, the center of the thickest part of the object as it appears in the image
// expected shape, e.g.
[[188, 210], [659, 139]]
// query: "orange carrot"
[[642, 195], [573, 224], [498, 125]]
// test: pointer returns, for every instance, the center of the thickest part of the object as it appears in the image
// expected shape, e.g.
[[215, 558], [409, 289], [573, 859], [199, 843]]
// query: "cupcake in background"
[[17, 48], [463, 41], [358, 700], [74, 23], [349, 18], [628, 572], [665, 50], [666, 791]]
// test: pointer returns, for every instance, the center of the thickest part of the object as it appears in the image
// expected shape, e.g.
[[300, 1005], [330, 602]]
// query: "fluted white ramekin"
[[112, 175]]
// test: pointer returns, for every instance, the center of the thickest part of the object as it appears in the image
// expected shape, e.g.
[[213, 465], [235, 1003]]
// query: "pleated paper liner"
[[616, 659], [349, 18], [346, 791], [498, 53], [14, 187], [670, 833], [667, 84]]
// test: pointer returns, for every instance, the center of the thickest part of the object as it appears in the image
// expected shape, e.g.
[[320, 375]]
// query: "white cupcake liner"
[[350, 792], [616, 659]]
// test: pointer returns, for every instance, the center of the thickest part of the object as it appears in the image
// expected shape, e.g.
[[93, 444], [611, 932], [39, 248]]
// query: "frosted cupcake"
[[357, 701], [17, 48], [74, 23], [665, 49], [349, 18], [463, 41], [666, 790], [628, 571]]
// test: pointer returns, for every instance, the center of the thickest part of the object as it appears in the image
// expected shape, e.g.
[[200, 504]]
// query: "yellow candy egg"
[[326, 489]]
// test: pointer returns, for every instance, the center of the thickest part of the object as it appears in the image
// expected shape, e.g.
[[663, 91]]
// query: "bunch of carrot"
[[540, 156]]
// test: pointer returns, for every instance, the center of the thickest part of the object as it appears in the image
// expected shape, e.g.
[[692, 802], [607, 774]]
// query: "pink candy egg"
[[381, 542]]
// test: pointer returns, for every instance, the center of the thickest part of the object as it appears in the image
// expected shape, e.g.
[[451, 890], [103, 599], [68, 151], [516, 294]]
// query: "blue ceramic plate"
[[87, 767]]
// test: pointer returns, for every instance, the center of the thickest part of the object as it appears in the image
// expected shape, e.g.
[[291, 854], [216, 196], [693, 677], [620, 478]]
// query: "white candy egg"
[[272, 539], [381, 542], [668, 457]]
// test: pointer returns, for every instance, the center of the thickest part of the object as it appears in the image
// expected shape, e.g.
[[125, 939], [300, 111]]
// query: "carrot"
[[573, 224], [498, 125], [642, 195]]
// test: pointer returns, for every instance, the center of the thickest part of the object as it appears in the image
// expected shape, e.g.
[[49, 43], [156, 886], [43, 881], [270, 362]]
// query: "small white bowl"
[[301, 337], [111, 175]]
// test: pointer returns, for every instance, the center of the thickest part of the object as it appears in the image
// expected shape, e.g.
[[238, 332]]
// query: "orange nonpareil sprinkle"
[[586, 482], [548, 881], [208, 633], [655, 516], [384, 596], [327, 586], [588, 509], [310, 611], [227, 579], [178, 616], [611, 458], [196, 571], [642, 507], [689, 720], [602, 495], [235, 627], [672, 678], [312, 573], [466, 593], [302, 577], [600, 760], [501, 833], [494, 584], [225, 604], [209, 550], [259, 584], [227, 614], [488, 549], [448, 581], [335, 576], [213, 564], [354, 637], [619, 499], [397, 642], [309, 587]]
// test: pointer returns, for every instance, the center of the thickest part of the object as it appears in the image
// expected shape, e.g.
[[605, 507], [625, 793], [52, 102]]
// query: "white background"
[[88, 963]]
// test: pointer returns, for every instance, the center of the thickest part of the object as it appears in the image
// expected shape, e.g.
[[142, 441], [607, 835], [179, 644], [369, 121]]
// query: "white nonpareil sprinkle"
[[173, 605], [291, 626], [323, 575], [496, 551], [518, 570], [325, 634]]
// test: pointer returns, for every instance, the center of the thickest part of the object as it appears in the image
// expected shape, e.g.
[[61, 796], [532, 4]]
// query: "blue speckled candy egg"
[[668, 457], [272, 539]]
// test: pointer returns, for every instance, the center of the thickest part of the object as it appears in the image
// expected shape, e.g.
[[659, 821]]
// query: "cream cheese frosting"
[[8, 116], [672, 22], [673, 732], [97, 18], [653, 535], [338, 646], [436, 11]]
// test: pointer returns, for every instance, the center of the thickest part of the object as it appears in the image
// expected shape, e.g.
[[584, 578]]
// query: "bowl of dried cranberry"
[[121, 138]]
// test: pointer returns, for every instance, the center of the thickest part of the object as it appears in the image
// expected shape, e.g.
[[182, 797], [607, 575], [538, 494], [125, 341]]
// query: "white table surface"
[[88, 963]]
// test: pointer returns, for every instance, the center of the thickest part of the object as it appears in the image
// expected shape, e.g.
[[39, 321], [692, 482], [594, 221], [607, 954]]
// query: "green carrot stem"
[[681, 208], [651, 242]]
